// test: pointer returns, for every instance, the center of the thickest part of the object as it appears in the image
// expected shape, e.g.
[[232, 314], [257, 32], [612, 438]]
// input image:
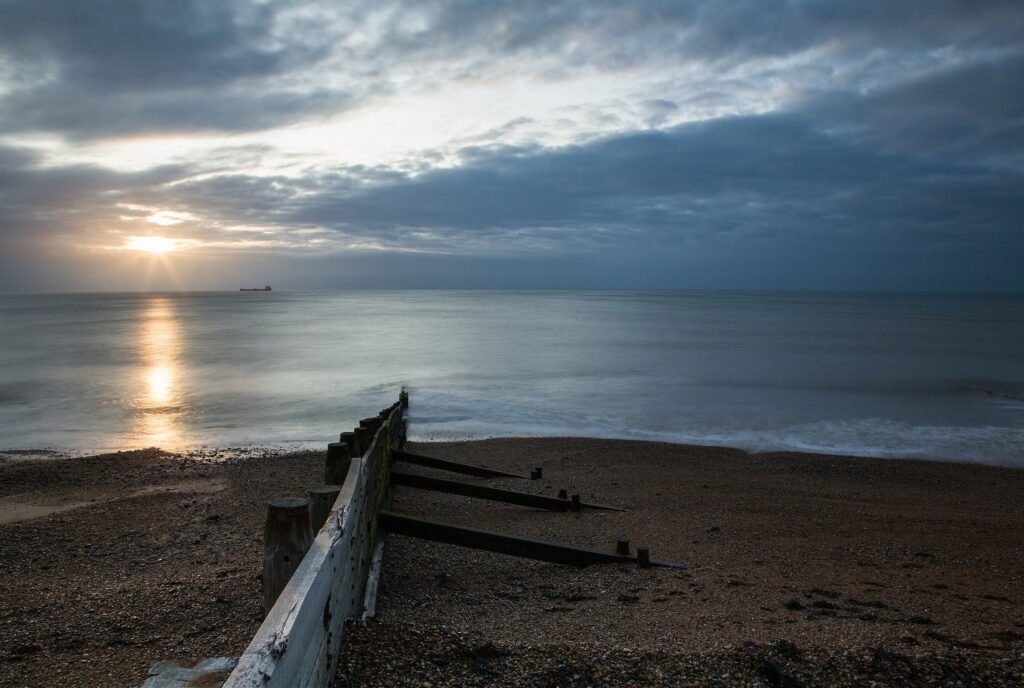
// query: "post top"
[[289, 503], [325, 489]]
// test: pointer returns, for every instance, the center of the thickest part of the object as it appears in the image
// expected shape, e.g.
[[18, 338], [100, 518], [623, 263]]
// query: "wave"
[[445, 418]]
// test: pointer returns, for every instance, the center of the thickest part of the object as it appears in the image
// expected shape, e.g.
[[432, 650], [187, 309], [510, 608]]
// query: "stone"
[[209, 673]]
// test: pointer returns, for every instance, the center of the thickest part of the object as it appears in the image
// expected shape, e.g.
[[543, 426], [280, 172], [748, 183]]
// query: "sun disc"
[[150, 244]]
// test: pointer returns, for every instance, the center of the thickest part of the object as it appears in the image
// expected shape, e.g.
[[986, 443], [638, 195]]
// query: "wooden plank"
[[372, 581], [297, 645], [292, 646], [473, 538], [453, 466], [426, 482]]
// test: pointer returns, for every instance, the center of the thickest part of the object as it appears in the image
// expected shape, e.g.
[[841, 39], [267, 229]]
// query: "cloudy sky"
[[854, 144]]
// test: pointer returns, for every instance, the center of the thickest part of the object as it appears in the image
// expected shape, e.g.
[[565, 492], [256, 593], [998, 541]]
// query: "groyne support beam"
[[529, 548], [495, 494], [452, 466]]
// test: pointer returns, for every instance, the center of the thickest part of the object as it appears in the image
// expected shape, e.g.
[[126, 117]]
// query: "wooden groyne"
[[298, 643], [323, 555]]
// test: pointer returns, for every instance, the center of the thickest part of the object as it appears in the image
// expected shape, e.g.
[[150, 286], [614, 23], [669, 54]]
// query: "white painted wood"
[[208, 673], [372, 580], [298, 643]]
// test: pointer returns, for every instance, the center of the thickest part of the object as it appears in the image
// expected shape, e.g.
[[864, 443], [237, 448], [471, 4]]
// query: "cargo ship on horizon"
[[266, 288]]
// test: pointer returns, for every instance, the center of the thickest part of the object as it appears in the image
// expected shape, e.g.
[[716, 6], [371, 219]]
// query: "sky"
[[186, 144]]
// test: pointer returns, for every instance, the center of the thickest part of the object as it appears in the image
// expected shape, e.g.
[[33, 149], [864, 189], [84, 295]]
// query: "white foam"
[[437, 416]]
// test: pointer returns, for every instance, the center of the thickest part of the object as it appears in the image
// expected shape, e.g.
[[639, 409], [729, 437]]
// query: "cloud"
[[78, 112], [974, 111], [742, 177], [39, 203], [614, 34], [153, 44], [106, 68], [613, 140]]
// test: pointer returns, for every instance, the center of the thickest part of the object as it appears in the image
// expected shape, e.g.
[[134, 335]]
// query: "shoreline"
[[166, 568], [236, 451]]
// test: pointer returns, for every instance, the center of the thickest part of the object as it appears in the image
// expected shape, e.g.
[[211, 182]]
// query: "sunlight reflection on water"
[[160, 404], [893, 375]]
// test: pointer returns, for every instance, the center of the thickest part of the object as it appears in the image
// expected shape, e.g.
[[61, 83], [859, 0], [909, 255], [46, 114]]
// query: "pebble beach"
[[801, 569]]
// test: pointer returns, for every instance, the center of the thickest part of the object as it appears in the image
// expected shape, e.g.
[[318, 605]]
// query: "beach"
[[164, 565], [800, 568]]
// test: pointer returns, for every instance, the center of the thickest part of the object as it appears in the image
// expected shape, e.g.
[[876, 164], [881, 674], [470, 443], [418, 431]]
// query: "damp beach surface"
[[824, 569]]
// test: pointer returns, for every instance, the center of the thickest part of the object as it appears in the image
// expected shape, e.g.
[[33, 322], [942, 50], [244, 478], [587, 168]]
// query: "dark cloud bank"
[[907, 176]]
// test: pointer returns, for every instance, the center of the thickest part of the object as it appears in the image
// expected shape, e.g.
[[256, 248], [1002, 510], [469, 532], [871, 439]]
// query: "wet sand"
[[803, 568]]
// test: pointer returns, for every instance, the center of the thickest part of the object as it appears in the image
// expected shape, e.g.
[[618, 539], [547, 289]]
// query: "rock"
[[208, 673]]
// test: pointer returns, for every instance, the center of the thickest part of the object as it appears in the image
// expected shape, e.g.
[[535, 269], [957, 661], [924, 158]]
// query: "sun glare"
[[150, 244]]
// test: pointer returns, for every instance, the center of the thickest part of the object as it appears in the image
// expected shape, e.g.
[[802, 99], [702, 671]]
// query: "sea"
[[866, 374]]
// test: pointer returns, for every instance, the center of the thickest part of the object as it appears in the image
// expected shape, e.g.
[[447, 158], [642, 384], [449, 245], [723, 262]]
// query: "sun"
[[150, 244]]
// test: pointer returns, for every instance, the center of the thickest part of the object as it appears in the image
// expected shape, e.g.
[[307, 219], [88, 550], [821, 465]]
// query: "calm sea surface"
[[915, 376]]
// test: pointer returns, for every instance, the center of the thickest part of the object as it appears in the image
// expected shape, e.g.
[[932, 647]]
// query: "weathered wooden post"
[[576, 503], [622, 547], [352, 440], [336, 464], [286, 538], [373, 424], [321, 499], [643, 557], [563, 494], [365, 436]]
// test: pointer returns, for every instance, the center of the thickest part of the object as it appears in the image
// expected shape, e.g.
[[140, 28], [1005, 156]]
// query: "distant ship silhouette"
[[266, 288]]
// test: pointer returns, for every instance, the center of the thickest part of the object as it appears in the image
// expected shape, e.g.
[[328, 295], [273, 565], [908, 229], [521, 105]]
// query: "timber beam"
[[529, 548], [453, 466], [425, 482]]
